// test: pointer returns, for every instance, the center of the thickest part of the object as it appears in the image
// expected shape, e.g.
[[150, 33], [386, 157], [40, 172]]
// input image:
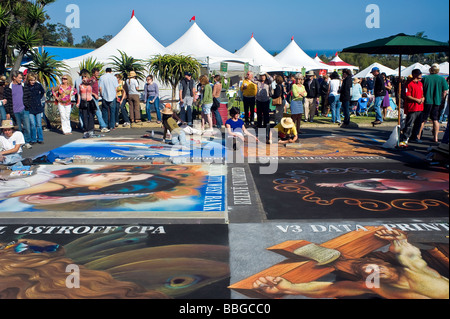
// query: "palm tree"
[[47, 69], [124, 64], [170, 69], [90, 64], [27, 37]]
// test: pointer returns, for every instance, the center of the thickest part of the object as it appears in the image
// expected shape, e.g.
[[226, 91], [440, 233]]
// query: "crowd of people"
[[294, 99]]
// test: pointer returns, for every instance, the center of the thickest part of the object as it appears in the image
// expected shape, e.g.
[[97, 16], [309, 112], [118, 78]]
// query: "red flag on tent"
[[292, 39], [192, 19], [132, 15], [252, 34]]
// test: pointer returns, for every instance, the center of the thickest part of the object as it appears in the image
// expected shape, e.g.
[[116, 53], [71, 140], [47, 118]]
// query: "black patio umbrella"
[[400, 44]]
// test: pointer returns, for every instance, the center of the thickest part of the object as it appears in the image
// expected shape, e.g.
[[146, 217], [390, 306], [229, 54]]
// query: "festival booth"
[[338, 64], [443, 68], [194, 42], [294, 59], [134, 40], [259, 57], [367, 72], [424, 68]]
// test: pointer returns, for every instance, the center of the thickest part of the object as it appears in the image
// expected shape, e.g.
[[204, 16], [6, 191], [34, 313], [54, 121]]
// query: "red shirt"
[[414, 89], [94, 84]]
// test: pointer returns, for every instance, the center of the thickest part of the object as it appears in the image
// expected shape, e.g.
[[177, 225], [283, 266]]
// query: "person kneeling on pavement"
[[11, 142], [287, 132], [170, 125]]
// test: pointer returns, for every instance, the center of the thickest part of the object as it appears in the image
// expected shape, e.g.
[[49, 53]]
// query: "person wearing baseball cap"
[[379, 92], [11, 142]]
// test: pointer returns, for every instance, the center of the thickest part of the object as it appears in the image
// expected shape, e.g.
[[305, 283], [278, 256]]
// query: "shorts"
[[430, 111], [206, 108]]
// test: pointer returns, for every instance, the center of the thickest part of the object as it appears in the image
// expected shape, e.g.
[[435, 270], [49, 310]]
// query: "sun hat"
[[167, 110], [434, 68], [287, 122], [132, 74], [310, 73], [8, 124]]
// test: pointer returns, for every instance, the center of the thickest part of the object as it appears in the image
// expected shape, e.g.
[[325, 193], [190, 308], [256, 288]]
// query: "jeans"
[[23, 122], [413, 120], [150, 106], [37, 134], [346, 111], [99, 115], [378, 103], [335, 106], [13, 159], [2, 113], [123, 110], [186, 113], [179, 139], [109, 113], [216, 104]]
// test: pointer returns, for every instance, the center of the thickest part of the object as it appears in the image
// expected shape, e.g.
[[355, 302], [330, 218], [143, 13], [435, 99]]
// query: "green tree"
[[20, 20], [124, 64], [91, 64], [170, 69], [47, 69]]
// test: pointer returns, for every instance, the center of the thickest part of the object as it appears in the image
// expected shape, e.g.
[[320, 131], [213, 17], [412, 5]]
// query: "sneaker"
[[28, 145], [126, 124], [86, 135], [105, 130], [403, 144]]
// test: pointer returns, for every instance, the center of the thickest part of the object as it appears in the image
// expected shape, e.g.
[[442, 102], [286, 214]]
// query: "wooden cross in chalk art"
[[297, 269]]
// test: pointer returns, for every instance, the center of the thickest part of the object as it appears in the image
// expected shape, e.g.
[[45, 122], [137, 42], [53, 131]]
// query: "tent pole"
[[399, 88]]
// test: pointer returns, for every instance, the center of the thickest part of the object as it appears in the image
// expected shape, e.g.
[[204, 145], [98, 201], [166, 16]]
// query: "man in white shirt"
[[108, 89], [11, 142]]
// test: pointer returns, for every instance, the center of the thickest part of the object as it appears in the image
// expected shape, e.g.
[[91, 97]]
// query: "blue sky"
[[316, 25]]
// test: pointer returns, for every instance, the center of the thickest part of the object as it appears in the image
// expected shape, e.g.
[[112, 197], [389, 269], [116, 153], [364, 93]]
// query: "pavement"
[[302, 214]]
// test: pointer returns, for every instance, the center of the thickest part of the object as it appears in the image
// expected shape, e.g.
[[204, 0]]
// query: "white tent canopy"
[[258, 56], [133, 39], [196, 43], [293, 58], [424, 68], [443, 68], [338, 64], [366, 73]]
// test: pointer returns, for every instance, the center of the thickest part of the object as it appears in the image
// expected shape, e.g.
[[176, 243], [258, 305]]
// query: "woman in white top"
[[333, 97]]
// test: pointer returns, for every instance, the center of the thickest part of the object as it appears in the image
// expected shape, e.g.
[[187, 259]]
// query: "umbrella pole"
[[399, 88]]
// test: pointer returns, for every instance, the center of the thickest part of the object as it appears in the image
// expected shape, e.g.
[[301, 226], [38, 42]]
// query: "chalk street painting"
[[134, 148], [115, 188], [360, 191], [123, 262], [407, 260]]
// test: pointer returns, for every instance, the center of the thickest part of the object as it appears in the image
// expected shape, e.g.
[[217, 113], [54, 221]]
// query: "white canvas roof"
[[424, 68], [196, 43], [293, 58], [443, 68], [133, 39], [383, 69], [258, 56]]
